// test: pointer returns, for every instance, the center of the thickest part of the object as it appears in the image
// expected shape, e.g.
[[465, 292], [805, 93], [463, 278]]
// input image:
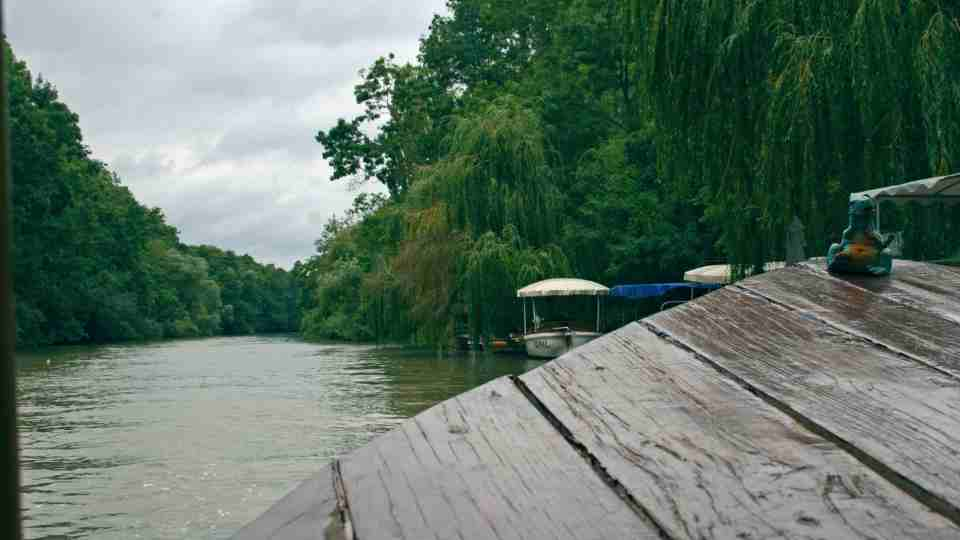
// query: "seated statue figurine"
[[862, 250]]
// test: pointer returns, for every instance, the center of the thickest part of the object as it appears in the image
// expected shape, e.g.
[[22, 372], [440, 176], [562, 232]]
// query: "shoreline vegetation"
[[92, 265], [625, 141], [619, 141]]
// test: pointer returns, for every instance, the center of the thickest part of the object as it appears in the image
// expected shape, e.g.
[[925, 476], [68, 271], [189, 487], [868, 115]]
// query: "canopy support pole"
[[524, 302], [598, 314], [879, 201]]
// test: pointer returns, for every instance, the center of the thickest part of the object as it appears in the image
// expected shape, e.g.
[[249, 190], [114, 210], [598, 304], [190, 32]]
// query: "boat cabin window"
[[922, 232], [575, 312]]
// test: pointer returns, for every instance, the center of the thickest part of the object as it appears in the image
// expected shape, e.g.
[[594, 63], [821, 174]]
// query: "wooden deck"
[[795, 404]]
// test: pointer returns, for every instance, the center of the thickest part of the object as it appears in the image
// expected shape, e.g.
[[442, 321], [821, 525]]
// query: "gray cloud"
[[334, 24], [208, 109]]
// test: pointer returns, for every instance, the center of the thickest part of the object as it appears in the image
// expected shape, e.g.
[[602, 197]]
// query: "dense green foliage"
[[614, 140], [766, 110], [91, 264], [624, 141]]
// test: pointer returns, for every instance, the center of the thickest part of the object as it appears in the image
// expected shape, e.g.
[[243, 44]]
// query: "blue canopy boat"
[[654, 290]]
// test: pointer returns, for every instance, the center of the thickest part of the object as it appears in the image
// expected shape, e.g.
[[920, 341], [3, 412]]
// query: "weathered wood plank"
[[928, 287], [707, 459], [905, 328], [484, 465], [899, 415], [307, 513]]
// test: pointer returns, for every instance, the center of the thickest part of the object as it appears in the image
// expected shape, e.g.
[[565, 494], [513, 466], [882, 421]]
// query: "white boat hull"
[[552, 344]]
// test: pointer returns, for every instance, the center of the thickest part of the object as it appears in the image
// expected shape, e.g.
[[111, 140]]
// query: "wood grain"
[[929, 287], [307, 513], [905, 328], [484, 465], [708, 459], [795, 404], [901, 414]]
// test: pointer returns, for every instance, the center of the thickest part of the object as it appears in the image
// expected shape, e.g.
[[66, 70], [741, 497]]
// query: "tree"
[[629, 140], [92, 264], [767, 110], [406, 109]]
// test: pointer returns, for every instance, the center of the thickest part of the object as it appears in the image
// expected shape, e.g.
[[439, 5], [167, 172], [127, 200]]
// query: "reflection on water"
[[192, 439]]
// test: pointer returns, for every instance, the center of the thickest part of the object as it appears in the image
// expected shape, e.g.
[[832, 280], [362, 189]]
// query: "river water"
[[195, 438]]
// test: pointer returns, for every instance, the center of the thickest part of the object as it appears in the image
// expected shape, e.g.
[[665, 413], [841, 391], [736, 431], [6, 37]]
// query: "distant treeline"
[[624, 141], [91, 264]]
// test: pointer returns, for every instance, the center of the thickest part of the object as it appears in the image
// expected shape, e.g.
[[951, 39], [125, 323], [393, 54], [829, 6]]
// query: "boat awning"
[[563, 287], [944, 189], [652, 290], [720, 274]]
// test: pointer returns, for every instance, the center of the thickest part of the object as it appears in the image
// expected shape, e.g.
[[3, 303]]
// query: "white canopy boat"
[[942, 189], [721, 274], [550, 339]]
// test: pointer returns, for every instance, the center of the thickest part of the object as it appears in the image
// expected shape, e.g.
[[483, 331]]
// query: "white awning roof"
[[720, 274], [563, 287], [941, 189]]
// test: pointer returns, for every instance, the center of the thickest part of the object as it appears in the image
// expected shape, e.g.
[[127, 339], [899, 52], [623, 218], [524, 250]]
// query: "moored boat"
[[550, 339], [555, 342]]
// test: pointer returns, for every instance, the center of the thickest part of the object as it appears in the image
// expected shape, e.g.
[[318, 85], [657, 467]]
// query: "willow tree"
[[496, 173], [480, 219], [766, 110], [425, 269]]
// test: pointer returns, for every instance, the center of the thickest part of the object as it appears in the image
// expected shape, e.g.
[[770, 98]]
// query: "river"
[[195, 438]]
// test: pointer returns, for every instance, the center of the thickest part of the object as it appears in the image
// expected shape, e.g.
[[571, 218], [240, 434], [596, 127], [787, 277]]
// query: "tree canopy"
[[91, 264], [614, 140], [768, 110], [628, 141]]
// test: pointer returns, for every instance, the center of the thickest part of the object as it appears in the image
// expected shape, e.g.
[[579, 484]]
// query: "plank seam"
[[343, 504], [927, 498], [608, 479], [849, 331]]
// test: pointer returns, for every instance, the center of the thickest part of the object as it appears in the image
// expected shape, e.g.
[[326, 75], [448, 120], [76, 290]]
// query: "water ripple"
[[195, 438]]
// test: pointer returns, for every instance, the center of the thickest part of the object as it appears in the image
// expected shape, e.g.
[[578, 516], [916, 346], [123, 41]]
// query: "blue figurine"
[[862, 250]]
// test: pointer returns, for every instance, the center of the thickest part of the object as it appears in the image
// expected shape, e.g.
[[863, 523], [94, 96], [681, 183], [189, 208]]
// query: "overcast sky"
[[208, 108]]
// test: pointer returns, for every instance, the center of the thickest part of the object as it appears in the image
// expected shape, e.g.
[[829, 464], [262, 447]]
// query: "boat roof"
[[563, 287], [940, 189], [721, 274], [651, 290]]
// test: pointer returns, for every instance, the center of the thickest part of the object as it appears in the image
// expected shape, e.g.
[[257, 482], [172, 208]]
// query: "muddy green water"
[[193, 439]]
